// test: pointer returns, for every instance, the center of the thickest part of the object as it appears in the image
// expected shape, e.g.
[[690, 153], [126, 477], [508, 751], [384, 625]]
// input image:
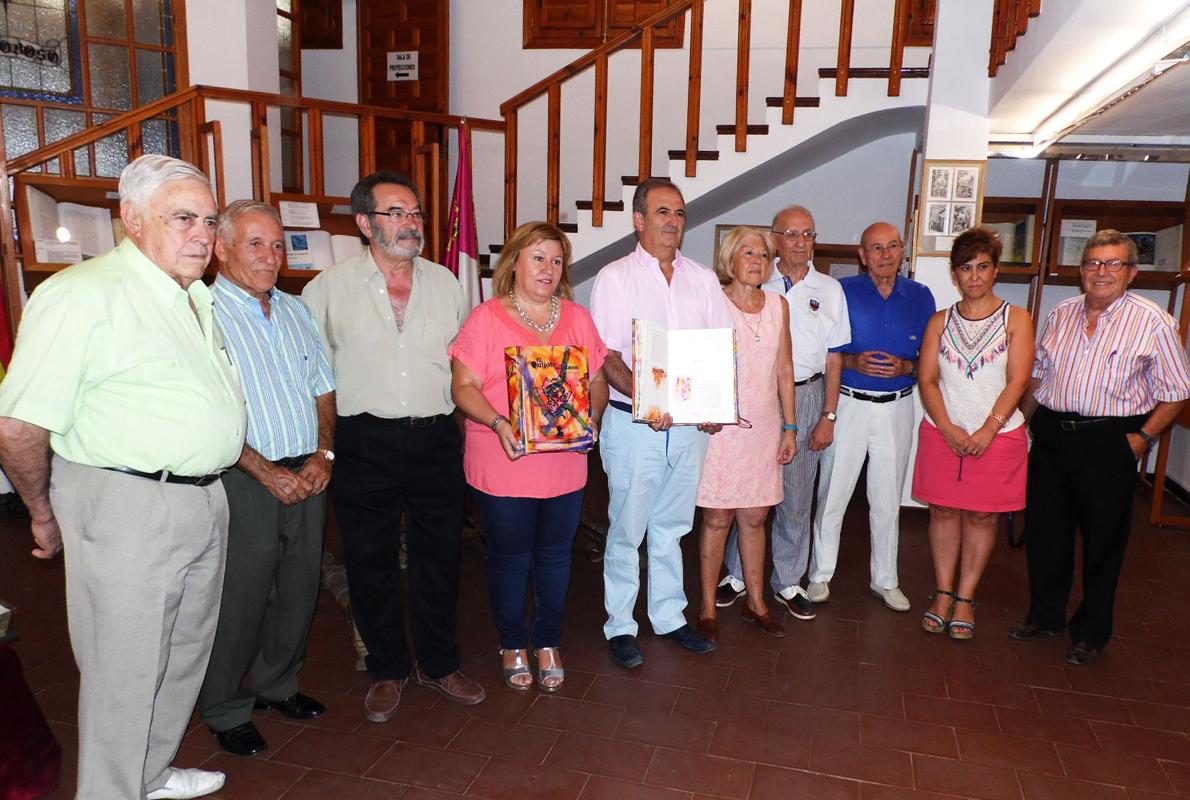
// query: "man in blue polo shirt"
[[875, 416]]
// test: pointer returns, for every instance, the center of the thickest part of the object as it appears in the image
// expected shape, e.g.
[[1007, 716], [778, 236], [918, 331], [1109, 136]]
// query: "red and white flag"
[[462, 244]]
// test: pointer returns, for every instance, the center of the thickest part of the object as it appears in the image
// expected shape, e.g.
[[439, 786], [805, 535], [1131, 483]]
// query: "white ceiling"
[[1160, 108]]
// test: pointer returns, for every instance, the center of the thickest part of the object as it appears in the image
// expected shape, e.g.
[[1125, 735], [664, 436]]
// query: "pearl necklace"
[[555, 312]]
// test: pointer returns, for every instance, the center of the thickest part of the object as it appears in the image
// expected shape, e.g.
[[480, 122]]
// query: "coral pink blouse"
[[480, 346]]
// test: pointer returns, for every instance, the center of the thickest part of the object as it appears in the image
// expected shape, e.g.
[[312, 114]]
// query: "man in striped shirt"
[[1110, 375], [276, 493]]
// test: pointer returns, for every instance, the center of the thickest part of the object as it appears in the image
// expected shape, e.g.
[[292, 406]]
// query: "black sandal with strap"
[[931, 622], [961, 629]]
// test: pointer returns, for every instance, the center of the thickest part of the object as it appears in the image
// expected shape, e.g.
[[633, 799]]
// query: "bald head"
[[793, 236], [881, 250]]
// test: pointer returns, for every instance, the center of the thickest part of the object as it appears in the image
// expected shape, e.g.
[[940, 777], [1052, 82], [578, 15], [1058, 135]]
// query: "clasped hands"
[[293, 487], [878, 364], [974, 444]]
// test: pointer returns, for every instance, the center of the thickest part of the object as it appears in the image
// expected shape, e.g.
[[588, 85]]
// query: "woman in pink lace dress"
[[741, 476]]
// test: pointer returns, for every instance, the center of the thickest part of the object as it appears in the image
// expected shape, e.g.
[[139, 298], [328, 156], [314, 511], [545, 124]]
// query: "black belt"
[[876, 398], [293, 462], [414, 422], [620, 404], [1072, 422], [168, 477], [811, 379]]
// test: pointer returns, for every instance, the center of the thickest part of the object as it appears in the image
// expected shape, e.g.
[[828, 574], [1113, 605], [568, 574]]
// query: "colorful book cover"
[[549, 399]]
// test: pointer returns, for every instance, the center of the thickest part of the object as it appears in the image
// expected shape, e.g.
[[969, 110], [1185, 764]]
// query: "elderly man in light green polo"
[[119, 371]]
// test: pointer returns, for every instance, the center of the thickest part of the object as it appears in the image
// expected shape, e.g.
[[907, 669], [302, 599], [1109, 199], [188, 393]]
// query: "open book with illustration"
[[549, 397], [689, 373]]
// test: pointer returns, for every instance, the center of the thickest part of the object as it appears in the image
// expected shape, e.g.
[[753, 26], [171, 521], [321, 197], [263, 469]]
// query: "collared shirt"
[[282, 367], [634, 288], [818, 319], [381, 369], [124, 368], [1134, 360], [894, 326]]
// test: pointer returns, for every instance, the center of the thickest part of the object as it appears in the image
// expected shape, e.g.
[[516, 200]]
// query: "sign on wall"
[[402, 65]]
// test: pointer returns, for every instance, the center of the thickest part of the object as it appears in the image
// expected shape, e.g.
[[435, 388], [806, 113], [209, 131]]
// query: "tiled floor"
[[859, 703]]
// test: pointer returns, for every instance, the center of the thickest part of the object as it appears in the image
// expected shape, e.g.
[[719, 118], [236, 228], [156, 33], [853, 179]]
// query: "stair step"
[[798, 102], [632, 180], [701, 155], [875, 72], [608, 205], [569, 227], [495, 249], [752, 130]]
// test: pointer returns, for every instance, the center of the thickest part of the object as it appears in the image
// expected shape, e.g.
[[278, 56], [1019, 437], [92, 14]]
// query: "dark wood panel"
[[321, 24], [398, 25], [585, 24]]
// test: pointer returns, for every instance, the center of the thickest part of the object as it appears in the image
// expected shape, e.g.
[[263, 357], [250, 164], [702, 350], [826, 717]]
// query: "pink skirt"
[[993, 482]]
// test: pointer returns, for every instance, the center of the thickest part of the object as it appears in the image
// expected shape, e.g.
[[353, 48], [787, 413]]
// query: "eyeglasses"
[[400, 215], [881, 249], [1114, 265], [793, 236]]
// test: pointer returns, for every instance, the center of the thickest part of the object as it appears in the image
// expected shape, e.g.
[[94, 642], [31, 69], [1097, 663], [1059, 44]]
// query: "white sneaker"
[[818, 592], [186, 783], [894, 598]]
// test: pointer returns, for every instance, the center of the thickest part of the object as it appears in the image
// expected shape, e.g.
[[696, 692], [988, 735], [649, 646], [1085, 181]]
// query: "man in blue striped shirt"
[[276, 492]]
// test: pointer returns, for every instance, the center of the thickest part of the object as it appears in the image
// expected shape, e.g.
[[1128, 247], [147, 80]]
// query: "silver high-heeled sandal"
[[549, 678], [520, 667]]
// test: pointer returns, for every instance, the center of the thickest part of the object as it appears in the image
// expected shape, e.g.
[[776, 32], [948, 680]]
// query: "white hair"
[[147, 174], [238, 208]]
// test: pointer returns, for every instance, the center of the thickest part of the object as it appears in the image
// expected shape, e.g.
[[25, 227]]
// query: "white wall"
[[333, 75]]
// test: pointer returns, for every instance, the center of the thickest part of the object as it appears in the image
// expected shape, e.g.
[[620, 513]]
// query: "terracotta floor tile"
[[429, 767], [59, 703], [877, 791], [1121, 769], [781, 748], [1036, 725], [757, 659], [433, 727], [991, 692], [252, 779], [898, 679], [916, 737], [765, 686], [775, 783], [333, 751], [502, 705], [681, 733], [1179, 776], [1168, 745], [336, 675], [873, 764], [600, 788], [678, 769], [862, 700], [948, 776], [1111, 684], [422, 793], [613, 758], [1052, 787], [317, 785], [956, 713], [1159, 716], [826, 724], [1087, 706], [1031, 673], [630, 693], [1014, 752], [510, 742], [733, 709], [344, 712], [503, 780], [695, 675], [580, 716]]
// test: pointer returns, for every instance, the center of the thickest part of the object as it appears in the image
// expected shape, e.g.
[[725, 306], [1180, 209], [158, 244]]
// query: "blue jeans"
[[529, 537]]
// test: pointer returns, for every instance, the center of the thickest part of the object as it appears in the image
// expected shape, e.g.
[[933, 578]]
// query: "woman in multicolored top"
[[972, 449]]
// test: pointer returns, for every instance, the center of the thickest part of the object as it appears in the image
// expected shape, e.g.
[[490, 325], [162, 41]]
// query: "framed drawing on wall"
[[951, 202]]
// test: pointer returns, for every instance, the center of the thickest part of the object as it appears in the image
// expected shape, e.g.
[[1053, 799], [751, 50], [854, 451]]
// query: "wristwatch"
[[830, 415], [329, 455]]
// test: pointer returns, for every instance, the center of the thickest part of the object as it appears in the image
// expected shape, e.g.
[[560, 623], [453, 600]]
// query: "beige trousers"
[[144, 576]]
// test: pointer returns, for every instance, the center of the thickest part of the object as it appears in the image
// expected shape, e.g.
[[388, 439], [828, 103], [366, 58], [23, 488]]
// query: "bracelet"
[[789, 426], [1149, 440], [1003, 420], [496, 420]]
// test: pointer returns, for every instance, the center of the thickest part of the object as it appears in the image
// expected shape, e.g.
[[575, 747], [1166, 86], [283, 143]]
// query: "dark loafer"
[[1029, 630], [692, 641], [242, 740], [456, 686], [625, 651], [763, 621], [1081, 653], [299, 706], [709, 627]]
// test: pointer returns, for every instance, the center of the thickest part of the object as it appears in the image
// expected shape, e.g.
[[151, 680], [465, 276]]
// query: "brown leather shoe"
[[763, 621], [383, 699], [456, 686], [709, 628]]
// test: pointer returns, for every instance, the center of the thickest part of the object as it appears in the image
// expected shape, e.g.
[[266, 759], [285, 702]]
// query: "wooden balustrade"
[[742, 61], [646, 104], [1010, 21], [792, 49], [846, 23], [694, 89]]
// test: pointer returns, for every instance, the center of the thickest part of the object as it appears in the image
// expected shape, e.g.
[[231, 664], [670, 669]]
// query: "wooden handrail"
[[581, 63], [896, 58], [742, 61], [792, 50], [846, 22]]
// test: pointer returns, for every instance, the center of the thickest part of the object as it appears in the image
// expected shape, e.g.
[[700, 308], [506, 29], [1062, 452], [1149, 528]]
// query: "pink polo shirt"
[[634, 288], [480, 346]]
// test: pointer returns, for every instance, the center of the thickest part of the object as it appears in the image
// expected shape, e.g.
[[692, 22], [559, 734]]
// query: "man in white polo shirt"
[[818, 321]]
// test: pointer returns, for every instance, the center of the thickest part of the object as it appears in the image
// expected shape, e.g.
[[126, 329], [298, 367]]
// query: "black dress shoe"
[[625, 651], [242, 740], [1081, 653], [1028, 630], [691, 640], [299, 706]]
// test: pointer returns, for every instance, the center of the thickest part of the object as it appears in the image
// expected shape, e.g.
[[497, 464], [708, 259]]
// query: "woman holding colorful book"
[[528, 373]]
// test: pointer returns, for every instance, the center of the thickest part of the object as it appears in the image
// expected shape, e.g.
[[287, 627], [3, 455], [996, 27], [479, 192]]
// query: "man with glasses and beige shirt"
[[817, 321], [386, 319], [888, 314]]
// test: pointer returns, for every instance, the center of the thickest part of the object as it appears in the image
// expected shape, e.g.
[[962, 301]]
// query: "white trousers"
[[883, 433]]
